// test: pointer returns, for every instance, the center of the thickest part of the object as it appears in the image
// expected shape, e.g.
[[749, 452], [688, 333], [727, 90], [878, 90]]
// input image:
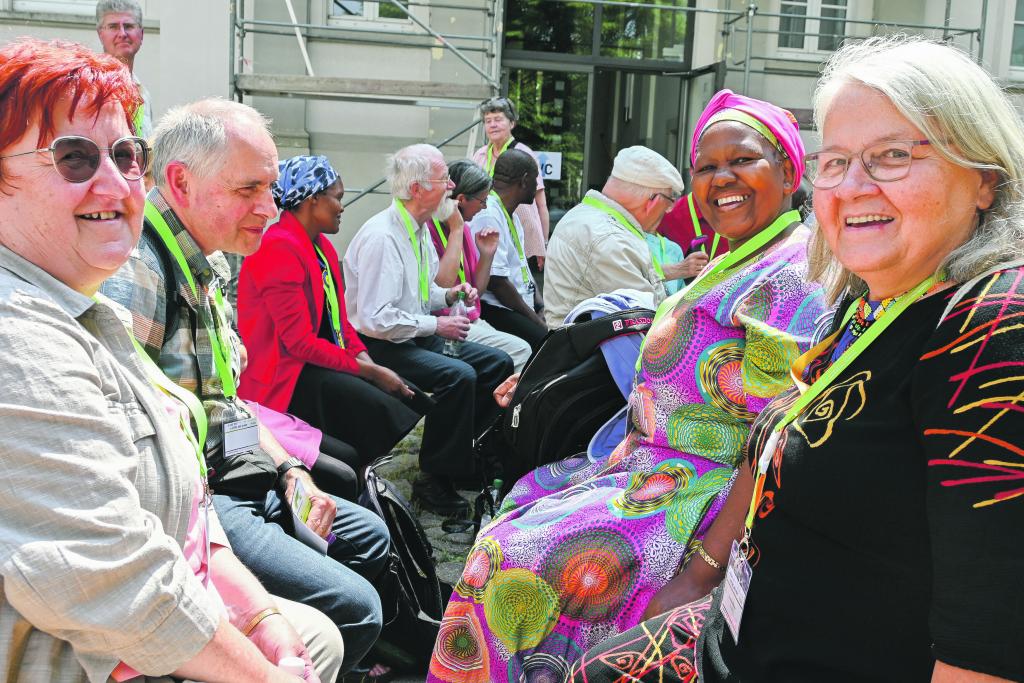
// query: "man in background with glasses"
[[390, 294], [119, 27], [600, 244]]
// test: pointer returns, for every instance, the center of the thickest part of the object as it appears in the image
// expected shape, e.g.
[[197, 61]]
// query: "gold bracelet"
[[258, 619], [715, 564]]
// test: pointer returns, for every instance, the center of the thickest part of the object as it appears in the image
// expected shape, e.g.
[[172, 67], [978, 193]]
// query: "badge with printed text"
[[734, 589], [240, 436]]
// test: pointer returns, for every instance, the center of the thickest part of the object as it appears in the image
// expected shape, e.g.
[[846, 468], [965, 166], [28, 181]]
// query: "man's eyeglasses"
[[446, 181], [671, 199], [884, 161], [126, 26], [77, 158]]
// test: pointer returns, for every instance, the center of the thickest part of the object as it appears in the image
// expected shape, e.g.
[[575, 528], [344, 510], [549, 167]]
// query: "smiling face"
[[229, 210], [498, 128], [893, 234], [739, 181], [327, 209], [80, 233], [121, 35]]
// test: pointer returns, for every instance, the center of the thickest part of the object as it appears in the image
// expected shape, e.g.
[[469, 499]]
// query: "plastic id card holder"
[[734, 590], [240, 436]]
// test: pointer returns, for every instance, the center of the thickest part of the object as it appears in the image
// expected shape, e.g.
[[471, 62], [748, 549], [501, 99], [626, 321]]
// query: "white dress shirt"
[[382, 290], [506, 261]]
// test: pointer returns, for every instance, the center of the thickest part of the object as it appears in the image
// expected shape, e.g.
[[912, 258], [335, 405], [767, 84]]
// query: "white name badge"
[[240, 436], [734, 590]]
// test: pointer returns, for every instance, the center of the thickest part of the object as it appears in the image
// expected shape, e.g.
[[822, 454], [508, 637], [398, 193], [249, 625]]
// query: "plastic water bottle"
[[492, 491], [452, 346]]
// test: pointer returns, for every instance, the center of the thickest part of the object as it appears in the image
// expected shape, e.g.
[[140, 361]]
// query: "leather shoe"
[[436, 494]]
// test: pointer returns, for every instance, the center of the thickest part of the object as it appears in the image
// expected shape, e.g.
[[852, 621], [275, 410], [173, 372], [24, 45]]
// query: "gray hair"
[[498, 105], [196, 134], [969, 121], [469, 178], [105, 7], [412, 164]]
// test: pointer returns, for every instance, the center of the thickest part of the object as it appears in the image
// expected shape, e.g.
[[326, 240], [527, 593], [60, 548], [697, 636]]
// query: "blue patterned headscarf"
[[300, 178]]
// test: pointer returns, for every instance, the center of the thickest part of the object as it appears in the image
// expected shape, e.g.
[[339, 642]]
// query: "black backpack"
[[565, 394], [412, 597]]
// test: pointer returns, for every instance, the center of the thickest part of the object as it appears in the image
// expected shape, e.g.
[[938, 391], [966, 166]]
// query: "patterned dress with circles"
[[581, 545]]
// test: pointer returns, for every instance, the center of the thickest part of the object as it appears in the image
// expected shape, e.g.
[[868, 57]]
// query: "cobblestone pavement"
[[450, 550]]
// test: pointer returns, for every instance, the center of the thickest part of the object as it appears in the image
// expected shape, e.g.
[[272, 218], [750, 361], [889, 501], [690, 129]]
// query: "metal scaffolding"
[[374, 90]]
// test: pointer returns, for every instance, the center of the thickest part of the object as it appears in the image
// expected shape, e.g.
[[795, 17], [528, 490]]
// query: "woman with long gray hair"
[[872, 536]]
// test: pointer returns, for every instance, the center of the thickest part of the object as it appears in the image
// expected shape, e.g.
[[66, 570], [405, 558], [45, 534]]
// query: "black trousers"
[[516, 324], [461, 388], [365, 420]]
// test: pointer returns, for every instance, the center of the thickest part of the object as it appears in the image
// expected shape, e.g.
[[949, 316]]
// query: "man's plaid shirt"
[[140, 286]]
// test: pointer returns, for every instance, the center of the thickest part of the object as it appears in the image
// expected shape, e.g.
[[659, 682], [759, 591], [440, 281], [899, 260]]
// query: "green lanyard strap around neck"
[[331, 297], [444, 243], [161, 381], [493, 158], [417, 249], [812, 392], [523, 267], [696, 227], [218, 342], [624, 222], [730, 262]]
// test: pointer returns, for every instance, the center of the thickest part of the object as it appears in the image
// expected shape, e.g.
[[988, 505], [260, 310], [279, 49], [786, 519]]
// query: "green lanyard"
[[444, 243], [624, 222], [729, 262], [219, 343], [515, 238], [491, 160], [417, 250], [331, 296], [186, 397], [815, 390], [138, 119], [696, 227]]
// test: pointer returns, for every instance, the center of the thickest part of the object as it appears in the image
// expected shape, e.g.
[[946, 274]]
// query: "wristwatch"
[[288, 464]]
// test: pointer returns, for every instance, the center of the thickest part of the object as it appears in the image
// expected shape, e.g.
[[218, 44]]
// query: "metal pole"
[[945, 22], [232, 57], [751, 11], [444, 41], [299, 38], [982, 32], [442, 143]]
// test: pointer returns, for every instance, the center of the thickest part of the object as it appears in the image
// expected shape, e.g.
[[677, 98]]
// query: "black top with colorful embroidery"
[[889, 534]]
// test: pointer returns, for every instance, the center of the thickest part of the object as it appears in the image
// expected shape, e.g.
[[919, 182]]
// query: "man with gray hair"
[[600, 246], [390, 268], [214, 163], [119, 27]]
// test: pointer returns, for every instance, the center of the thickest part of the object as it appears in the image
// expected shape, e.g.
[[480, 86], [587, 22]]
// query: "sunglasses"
[[77, 158]]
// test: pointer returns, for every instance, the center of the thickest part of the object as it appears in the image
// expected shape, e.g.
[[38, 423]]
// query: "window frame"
[[77, 8], [812, 25], [372, 18], [1015, 72]]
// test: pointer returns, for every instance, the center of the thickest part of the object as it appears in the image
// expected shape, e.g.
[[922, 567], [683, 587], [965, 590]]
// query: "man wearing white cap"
[[600, 246]]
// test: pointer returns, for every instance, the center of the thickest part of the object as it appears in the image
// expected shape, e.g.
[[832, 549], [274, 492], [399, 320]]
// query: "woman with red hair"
[[112, 564]]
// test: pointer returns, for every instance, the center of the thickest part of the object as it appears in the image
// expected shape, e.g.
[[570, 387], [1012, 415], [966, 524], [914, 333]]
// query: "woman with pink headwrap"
[[582, 545]]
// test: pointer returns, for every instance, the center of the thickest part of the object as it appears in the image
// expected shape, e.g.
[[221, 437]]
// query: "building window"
[[82, 7], [812, 25], [1017, 51], [366, 10]]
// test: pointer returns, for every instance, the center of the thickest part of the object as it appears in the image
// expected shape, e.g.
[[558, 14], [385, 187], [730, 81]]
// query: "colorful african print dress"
[[581, 546]]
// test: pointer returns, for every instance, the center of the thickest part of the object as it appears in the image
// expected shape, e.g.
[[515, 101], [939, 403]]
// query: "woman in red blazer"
[[305, 357]]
